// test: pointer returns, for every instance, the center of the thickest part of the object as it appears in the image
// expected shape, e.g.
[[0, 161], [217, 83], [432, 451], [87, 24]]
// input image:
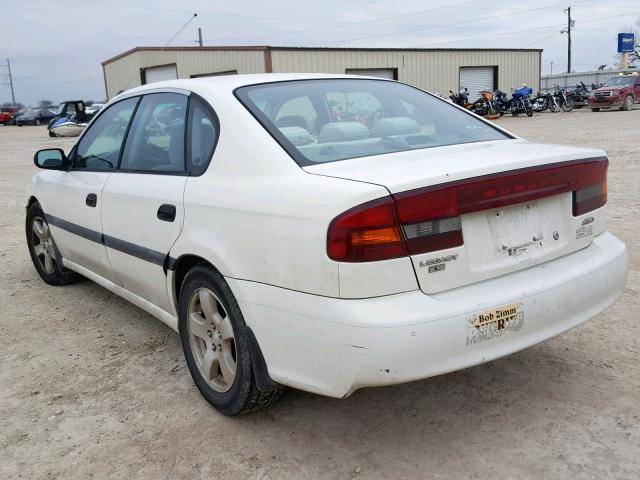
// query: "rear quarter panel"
[[256, 215]]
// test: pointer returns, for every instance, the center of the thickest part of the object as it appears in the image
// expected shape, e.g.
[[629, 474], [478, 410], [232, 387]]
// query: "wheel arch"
[[181, 266]]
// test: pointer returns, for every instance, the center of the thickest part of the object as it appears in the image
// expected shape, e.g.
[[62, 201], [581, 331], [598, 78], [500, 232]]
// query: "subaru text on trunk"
[[323, 232]]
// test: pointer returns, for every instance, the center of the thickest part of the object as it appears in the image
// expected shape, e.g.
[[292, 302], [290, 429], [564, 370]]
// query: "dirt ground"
[[92, 387]]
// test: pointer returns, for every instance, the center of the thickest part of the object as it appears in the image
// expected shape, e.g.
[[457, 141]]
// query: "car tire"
[[595, 109], [628, 103], [51, 134], [44, 254], [217, 344]]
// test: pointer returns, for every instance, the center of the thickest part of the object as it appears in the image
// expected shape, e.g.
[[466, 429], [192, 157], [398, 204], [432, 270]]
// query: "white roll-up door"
[[388, 73], [157, 74], [476, 79]]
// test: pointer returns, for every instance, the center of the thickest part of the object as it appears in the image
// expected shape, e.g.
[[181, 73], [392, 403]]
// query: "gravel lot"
[[92, 387]]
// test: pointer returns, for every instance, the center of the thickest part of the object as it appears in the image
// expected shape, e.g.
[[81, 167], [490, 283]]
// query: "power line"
[[281, 19], [131, 78], [541, 40], [491, 17], [491, 35]]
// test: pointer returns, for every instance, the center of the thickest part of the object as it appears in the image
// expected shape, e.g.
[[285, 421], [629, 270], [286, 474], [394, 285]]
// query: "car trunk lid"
[[476, 211]]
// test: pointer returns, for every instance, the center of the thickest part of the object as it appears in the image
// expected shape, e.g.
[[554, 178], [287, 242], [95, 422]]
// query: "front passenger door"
[[74, 203]]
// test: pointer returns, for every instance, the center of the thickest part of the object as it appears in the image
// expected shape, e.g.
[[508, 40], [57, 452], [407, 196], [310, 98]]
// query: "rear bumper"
[[334, 346]]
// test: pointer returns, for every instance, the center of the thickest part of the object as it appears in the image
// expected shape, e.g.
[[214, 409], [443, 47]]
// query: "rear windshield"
[[320, 121]]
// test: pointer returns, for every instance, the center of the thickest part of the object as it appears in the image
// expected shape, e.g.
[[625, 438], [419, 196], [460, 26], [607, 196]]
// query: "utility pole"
[[8, 74], [551, 67], [200, 36], [569, 25]]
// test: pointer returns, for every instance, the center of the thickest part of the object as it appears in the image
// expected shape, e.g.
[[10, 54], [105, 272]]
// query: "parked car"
[[15, 116], [6, 115], [621, 92], [35, 116], [323, 232]]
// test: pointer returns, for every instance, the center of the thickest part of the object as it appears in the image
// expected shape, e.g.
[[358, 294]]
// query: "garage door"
[[388, 73], [157, 74], [476, 79]]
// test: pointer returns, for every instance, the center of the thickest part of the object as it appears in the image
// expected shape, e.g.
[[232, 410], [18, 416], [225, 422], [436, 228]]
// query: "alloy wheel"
[[43, 244], [212, 340], [628, 102]]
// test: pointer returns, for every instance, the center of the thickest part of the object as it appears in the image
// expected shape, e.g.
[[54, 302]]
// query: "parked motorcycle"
[[504, 103], [579, 95], [520, 102], [461, 98], [566, 103], [485, 106], [544, 101]]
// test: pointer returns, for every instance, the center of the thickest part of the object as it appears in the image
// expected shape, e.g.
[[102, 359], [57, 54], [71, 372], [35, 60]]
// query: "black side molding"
[[143, 253]]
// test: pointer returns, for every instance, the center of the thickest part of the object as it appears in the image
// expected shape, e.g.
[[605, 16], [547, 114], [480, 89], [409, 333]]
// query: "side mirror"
[[50, 159]]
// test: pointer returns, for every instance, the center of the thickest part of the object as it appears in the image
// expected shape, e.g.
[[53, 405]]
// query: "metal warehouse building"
[[436, 70]]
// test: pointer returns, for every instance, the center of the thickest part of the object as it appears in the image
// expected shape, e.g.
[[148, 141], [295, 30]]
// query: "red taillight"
[[593, 193], [428, 219], [366, 233]]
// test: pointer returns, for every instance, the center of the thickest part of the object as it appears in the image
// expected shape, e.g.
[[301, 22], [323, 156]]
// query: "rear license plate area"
[[515, 229]]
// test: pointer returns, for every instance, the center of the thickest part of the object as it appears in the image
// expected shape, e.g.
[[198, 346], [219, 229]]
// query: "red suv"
[[6, 114], [621, 91]]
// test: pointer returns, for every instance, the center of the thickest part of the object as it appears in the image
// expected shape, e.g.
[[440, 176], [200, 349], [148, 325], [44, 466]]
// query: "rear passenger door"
[[172, 137], [142, 205]]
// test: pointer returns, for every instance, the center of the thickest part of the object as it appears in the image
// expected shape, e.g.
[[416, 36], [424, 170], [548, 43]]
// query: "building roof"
[[325, 49]]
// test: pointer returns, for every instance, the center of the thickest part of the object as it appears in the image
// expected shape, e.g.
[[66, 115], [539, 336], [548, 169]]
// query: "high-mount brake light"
[[428, 219]]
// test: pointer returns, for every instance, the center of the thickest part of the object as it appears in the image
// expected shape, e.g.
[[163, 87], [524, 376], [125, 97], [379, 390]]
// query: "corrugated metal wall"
[[436, 70], [124, 73], [571, 80]]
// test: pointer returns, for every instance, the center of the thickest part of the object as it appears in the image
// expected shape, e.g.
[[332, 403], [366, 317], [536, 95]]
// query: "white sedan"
[[325, 232]]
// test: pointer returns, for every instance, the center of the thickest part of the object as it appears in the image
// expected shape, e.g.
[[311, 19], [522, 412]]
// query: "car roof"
[[228, 83]]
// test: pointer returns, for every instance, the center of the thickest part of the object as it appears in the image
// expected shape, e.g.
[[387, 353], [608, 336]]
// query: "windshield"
[[319, 121], [32, 111], [619, 82]]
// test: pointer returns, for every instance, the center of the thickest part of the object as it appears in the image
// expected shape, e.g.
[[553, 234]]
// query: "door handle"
[[167, 212], [92, 200]]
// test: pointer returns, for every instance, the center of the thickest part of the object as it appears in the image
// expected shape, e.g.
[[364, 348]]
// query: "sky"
[[56, 46]]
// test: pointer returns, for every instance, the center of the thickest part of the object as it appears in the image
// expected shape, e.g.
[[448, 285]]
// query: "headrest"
[[297, 136], [342, 131], [386, 127]]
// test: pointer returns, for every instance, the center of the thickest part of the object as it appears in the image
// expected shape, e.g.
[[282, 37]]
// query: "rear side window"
[[156, 140], [202, 135], [100, 146], [318, 121]]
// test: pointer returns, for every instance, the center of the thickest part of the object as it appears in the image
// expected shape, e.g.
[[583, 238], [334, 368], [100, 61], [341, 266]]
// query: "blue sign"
[[626, 42]]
